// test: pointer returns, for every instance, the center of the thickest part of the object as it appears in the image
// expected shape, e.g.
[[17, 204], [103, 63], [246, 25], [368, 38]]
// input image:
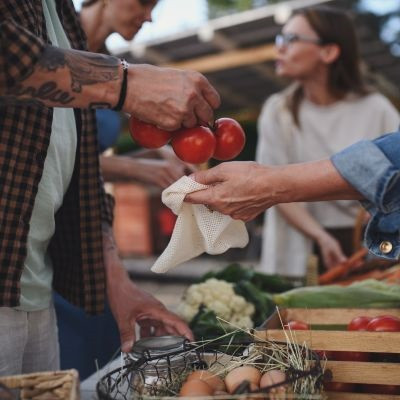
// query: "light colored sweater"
[[324, 131]]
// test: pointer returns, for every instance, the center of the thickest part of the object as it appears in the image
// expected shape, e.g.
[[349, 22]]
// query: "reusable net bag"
[[197, 228]]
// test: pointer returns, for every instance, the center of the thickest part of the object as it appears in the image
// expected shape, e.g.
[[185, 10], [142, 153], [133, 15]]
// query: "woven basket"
[[55, 385]]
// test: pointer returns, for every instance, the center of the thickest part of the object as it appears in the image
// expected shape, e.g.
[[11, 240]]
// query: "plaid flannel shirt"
[[76, 247]]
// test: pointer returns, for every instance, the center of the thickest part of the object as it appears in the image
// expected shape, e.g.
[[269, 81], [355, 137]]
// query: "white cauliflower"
[[218, 296]]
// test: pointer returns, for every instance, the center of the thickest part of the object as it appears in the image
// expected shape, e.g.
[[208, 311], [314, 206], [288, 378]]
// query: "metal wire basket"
[[160, 377]]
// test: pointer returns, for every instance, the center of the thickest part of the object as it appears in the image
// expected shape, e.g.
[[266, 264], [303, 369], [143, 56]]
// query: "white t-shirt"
[[36, 279], [324, 131]]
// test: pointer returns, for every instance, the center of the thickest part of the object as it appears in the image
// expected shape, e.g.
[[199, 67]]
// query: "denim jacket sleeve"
[[373, 168]]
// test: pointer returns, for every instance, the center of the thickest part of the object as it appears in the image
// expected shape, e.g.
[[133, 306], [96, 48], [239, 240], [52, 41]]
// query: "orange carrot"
[[343, 268], [374, 274]]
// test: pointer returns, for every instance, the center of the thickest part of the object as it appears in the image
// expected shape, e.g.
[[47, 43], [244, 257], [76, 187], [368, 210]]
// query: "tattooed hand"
[[170, 98]]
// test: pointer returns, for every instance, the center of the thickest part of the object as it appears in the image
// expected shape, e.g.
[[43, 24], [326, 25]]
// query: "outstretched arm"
[[245, 189], [31, 70]]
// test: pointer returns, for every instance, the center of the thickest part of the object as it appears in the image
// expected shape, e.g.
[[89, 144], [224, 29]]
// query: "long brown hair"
[[334, 26]]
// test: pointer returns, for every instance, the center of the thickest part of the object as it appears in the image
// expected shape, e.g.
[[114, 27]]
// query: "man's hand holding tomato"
[[170, 98]]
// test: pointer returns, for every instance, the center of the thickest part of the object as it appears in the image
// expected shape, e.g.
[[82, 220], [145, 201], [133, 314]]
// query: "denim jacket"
[[373, 168]]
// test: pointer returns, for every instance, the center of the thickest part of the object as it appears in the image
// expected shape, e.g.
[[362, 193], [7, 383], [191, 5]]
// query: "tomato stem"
[[211, 125]]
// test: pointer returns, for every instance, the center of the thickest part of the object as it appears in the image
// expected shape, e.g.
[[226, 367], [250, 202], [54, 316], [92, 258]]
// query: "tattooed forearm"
[[46, 91], [52, 59], [85, 68], [70, 78], [9, 100]]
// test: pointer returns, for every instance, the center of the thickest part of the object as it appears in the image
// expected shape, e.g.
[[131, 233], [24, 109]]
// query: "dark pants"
[[84, 339]]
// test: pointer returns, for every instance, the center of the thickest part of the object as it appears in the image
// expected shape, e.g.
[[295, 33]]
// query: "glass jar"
[[160, 361]]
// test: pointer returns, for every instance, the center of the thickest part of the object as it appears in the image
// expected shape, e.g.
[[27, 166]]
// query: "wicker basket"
[[56, 385], [160, 377]]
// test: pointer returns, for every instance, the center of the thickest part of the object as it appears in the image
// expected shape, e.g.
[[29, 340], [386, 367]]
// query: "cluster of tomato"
[[382, 323], [222, 141]]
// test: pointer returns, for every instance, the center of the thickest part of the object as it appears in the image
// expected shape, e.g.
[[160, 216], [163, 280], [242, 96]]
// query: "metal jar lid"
[[157, 346]]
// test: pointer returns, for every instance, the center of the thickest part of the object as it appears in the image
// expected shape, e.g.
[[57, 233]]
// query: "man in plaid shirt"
[[55, 218]]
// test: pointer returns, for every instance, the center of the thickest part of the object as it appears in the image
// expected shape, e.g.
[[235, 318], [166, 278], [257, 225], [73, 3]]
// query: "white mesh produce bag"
[[197, 229]]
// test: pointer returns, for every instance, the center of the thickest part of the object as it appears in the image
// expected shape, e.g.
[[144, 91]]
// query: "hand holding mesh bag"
[[197, 229]]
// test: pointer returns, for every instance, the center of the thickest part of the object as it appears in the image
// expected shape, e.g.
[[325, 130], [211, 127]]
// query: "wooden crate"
[[54, 385], [318, 338]]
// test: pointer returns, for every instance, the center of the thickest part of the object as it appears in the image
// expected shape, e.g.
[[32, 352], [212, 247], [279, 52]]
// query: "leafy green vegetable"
[[262, 301], [235, 273], [205, 326], [369, 294]]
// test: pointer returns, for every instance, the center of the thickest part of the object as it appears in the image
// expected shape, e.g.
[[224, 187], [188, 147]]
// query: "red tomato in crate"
[[359, 323], [230, 139], [384, 323], [349, 356], [148, 135], [194, 145], [295, 325], [339, 387]]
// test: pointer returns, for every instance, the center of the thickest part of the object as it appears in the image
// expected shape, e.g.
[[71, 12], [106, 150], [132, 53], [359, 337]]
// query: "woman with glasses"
[[327, 108]]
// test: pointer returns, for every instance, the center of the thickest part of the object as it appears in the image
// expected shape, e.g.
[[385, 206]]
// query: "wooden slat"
[[379, 342], [336, 315], [364, 372], [227, 59], [335, 340], [360, 396]]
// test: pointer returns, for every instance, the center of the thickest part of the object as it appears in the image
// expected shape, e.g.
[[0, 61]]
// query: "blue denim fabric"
[[373, 168]]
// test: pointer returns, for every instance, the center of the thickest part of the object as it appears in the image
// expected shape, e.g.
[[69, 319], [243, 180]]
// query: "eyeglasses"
[[285, 39]]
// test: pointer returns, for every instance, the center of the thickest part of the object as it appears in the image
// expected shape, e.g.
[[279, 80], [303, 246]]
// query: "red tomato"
[[297, 325], [349, 356], [230, 139], [359, 323], [194, 145], [148, 135], [339, 387], [384, 323], [381, 389]]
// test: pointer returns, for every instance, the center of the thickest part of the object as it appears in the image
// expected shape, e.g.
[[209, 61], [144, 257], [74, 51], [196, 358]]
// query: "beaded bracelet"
[[124, 84]]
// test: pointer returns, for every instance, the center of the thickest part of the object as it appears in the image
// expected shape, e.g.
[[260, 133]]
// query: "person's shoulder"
[[275, 102], [376, 100]]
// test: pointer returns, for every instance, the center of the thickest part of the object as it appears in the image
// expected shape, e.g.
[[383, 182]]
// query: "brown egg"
[[211, 379], [246, 373], [271, 377], [196, 388]]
